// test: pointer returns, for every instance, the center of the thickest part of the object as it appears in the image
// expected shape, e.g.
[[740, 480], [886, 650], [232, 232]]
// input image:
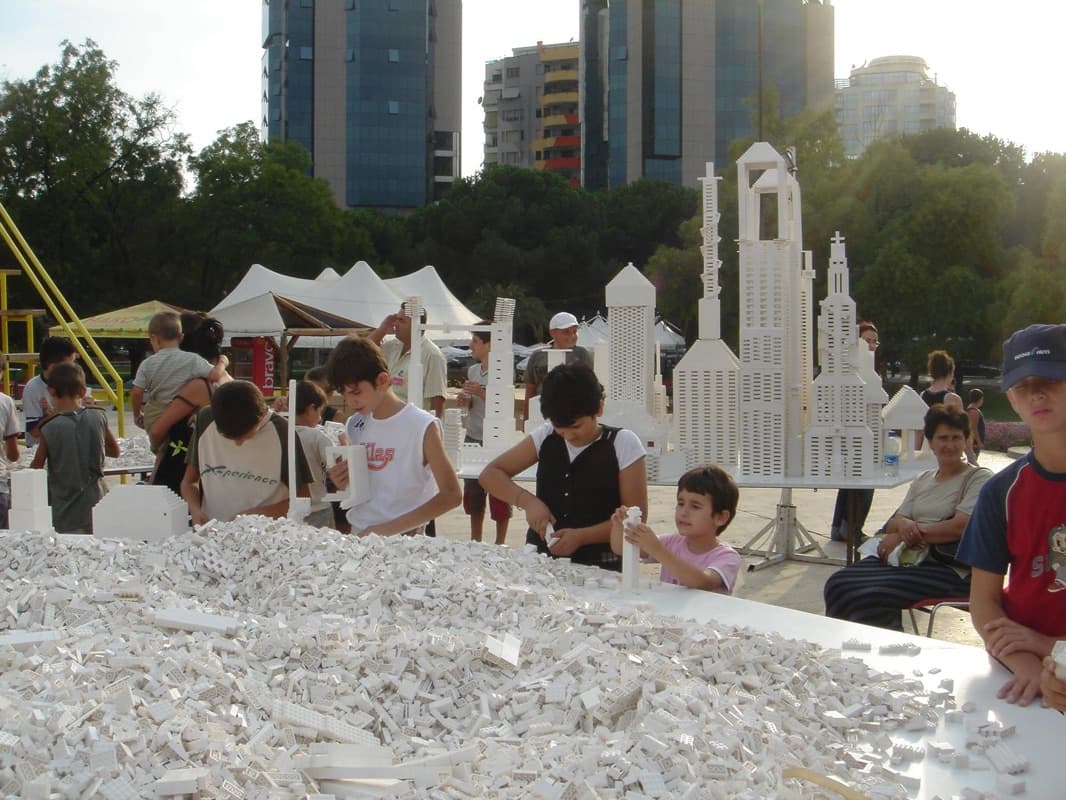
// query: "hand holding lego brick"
[[565, 542], [1051, 687]]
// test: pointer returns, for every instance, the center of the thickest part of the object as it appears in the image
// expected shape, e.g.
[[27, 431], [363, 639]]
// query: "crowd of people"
[[961, 531]]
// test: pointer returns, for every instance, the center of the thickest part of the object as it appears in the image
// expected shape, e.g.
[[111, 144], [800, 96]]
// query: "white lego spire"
[[844, 440], [706, 380]]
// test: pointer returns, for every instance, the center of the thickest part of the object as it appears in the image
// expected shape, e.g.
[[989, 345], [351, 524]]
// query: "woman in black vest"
[[585, 471]]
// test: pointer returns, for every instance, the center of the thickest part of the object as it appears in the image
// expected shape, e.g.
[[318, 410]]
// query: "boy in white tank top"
[[411, 479]]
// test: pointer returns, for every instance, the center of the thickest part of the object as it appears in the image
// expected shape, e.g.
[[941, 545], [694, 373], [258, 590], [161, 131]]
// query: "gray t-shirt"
[[162, 374], [75, 442], [537, 368]]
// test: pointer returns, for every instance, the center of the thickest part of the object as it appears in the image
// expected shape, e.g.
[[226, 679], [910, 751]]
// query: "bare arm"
[[449, 493], [218, 371], [388, 325], [190, 493], [436, 406], [111, 448], [136, 401], [497, 480], [11, 448], [531, 392], [40, 455], [990, 621]]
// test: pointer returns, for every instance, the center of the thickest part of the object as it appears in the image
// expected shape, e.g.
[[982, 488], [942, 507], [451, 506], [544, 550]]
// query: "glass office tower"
[[677, 79], [372, 90]]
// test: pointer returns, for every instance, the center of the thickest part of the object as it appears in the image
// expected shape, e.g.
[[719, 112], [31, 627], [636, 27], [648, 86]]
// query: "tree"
[[675, 273], [256, 203], [642, 215], [92, 177]]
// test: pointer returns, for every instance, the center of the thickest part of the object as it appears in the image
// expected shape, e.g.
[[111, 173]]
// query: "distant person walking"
[[977, 421], [838, 530]]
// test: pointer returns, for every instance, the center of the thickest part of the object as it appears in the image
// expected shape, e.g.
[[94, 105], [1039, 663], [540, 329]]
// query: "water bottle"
[[893, 447]]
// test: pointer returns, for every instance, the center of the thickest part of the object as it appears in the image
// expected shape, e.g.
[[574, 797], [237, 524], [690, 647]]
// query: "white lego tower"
[[413, 309], [772, 320], [499, 430], [631, 322], [844, 439], [707, 379], [632, 359]]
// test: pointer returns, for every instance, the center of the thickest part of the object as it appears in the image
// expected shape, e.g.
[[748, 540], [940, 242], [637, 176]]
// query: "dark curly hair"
[[570, 391], [939, 414]]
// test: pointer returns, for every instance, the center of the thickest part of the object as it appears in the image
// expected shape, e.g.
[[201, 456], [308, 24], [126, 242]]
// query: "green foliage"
[[92, 176]]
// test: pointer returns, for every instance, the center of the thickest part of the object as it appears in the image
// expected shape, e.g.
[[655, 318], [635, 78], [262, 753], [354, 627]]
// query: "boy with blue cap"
[[1019, 522]]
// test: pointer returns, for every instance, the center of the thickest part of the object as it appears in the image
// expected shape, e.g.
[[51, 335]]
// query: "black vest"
[[581, 493]]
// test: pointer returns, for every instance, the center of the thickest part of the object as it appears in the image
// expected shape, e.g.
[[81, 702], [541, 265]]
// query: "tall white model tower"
[[844, 440], [631, 321], [706, 380], [772, 319]]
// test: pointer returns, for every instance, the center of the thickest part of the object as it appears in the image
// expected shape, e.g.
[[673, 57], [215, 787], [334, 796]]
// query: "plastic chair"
[[933, 604]]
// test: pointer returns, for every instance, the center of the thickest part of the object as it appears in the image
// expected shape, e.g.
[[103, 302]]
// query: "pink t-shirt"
[[723, 559]]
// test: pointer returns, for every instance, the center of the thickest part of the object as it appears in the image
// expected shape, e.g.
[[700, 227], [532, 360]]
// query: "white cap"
[[562, 321]]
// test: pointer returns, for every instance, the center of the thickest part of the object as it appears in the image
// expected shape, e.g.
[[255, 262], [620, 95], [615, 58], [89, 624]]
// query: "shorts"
[[474, 502]]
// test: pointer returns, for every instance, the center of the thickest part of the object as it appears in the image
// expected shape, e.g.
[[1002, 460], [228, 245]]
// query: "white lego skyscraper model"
[[499, 430], [631, 321], [631, 380], [844, 439], [413, 309], [772, 335], [706, 380]]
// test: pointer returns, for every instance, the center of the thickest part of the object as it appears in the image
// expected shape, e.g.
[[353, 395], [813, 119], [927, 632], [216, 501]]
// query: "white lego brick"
[[1058, 654], [35, 518], [184, 620], [29, 488], [631, 553], [177, 782], [136, 511], [1010, 785], [22, 640], [358, 490]]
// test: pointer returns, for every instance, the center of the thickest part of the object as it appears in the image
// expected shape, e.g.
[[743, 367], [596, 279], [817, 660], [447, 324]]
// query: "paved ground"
[[792, 584]]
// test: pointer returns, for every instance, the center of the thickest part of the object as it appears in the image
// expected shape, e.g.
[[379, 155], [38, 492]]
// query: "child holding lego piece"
[[239, 458], [1019, 522], [694, 557], [306, 414], [162, 375], [411, 479], [585, 470], [73, 443]]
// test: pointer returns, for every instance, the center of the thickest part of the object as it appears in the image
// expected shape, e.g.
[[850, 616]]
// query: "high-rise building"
[[530, 102], [887, 97], [668, 84], [372, 90]]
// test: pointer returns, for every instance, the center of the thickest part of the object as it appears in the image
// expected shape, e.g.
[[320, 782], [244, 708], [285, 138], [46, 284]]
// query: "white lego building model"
[[633, 383], [499, 430], [707, 379], [774, 345], [844, 438]]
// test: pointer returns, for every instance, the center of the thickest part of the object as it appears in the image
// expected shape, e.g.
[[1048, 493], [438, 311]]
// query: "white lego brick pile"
[[267, 659], [133, 452]]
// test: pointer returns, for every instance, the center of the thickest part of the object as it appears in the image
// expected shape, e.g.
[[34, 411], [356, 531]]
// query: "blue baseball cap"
[[1037, 351]]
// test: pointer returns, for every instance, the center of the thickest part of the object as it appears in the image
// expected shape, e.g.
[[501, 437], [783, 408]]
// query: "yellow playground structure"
[[57, 306]]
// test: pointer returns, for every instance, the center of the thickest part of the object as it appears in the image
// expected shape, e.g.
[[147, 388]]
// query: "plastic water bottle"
[[893, 447]]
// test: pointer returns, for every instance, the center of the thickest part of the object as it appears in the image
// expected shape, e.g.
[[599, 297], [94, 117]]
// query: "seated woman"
[[172, 432], [933, 515]]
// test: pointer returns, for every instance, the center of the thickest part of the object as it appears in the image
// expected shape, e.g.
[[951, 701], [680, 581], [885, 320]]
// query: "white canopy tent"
[[359, 296]]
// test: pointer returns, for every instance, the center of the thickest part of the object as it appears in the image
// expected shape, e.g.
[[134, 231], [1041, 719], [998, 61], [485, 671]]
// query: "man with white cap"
[[563, 330], [1019, 522]]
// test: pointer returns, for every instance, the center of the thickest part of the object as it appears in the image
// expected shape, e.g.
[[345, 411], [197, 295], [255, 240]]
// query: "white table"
[[977, 677]]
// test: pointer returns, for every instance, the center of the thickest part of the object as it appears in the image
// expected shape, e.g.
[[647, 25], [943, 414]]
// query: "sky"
[[203, 57]]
